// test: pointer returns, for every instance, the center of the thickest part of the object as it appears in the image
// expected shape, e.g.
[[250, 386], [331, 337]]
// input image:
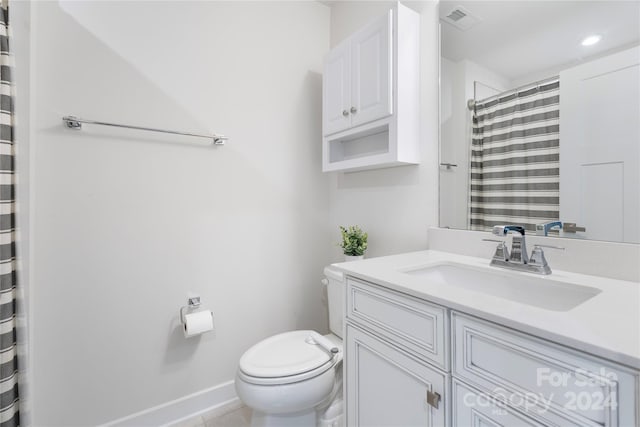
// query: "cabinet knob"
[[433, 399], [345, 113], [354, 110]]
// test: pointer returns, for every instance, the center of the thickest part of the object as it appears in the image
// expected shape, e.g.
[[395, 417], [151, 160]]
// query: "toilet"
[[295, 378]]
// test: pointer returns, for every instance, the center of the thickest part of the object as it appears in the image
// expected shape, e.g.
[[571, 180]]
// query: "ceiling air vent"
[[461, 18], [456, 15]]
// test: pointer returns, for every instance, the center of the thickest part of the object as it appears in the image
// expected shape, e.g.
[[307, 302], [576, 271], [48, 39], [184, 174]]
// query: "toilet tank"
[[335, 299]]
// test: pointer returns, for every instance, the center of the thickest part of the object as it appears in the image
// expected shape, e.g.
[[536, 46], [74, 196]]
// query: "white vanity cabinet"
[[394, 351], [370, 95], [402, 354]]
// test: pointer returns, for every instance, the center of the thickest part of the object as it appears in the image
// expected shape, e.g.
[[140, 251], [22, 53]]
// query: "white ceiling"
[[518, 38]]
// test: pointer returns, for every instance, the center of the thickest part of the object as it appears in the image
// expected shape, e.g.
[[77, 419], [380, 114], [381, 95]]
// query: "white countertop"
[[607, 325]]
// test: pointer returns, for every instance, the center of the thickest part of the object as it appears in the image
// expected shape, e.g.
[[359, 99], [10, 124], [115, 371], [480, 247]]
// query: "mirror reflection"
[[540, 117]]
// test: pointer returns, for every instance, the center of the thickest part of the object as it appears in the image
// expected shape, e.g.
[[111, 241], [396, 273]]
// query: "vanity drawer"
[[412, 323], [473, 407], [548, 382]]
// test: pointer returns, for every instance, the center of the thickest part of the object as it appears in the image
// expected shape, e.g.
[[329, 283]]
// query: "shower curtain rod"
[[471, 103], [73, 122]]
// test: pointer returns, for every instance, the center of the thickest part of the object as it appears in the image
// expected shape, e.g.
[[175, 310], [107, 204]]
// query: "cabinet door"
[[336, 90], [371, 72], [387, 387]]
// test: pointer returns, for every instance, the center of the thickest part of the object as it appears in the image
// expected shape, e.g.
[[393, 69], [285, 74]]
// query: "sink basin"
[[540, 292]]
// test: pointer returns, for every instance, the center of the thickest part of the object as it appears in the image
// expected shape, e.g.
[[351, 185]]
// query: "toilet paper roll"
[[198, 323]]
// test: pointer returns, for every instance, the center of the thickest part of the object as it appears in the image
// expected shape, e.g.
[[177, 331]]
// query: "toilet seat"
[[285, 358]]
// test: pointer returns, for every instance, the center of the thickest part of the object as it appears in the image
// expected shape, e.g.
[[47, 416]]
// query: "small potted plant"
[[354, 242]]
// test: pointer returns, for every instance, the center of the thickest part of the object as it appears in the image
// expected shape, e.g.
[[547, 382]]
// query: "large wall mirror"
[[540, 117]]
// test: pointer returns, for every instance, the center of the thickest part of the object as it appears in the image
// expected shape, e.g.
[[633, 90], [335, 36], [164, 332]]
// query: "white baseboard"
[[220, 398]]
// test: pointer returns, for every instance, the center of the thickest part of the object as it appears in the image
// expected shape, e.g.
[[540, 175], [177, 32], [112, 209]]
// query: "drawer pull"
[[433, 399]]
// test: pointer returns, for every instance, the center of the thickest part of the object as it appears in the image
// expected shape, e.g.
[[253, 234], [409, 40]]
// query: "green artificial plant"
[[354, 241]]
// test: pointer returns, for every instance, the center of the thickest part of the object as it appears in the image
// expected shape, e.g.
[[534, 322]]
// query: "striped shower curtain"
[[9, 415], [515, 159]]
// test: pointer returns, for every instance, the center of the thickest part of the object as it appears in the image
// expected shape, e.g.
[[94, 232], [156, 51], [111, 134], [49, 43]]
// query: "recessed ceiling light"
[[591, 40]]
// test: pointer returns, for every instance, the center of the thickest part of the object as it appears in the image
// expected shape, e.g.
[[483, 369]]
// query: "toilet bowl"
[[295, 378]]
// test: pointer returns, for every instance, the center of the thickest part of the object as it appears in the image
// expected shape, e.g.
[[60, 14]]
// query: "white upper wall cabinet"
[[357, 83], [371, 72], [371, 95], [336, 94]]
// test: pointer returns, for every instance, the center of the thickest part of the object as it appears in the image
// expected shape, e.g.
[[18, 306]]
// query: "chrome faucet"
[[518, 245], [543, 229], [519, 259]]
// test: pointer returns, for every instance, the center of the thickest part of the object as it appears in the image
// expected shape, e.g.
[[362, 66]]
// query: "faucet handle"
[[538, 258], [501, 253], [498, 230], [543, 229], [560, 248], [503, 230]]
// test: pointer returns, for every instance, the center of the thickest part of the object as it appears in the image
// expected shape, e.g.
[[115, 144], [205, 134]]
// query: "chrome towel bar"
[[75, 123]]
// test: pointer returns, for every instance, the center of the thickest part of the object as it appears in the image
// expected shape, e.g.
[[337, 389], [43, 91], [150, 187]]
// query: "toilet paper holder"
[[192, 304], [195, 319]]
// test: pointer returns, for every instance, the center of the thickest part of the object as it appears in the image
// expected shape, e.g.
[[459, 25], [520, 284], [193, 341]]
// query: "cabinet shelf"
[[366, 149]]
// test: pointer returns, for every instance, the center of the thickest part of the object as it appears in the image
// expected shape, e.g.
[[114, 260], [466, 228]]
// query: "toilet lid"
[[283, 355]]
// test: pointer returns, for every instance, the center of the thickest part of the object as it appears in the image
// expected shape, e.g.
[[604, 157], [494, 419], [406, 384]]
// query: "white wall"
[[454, 135], [126, 223], [395, 205], [457, 87]]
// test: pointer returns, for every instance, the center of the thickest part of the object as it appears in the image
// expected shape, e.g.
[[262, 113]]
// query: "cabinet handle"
[[345, 113], [354, 110], [433, 399]]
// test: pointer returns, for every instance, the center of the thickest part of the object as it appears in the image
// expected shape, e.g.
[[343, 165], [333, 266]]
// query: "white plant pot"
[[353, 257]]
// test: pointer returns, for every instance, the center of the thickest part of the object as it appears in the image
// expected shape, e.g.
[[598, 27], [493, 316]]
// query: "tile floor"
[[238, 417]]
